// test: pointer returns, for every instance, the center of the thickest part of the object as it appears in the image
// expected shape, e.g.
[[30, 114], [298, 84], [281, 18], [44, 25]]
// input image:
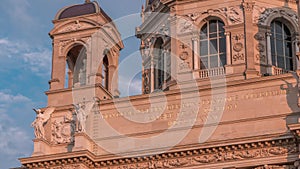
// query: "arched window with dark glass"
[[212, 45], [159, 69], [76, 67], [105, 72], [281, 46]]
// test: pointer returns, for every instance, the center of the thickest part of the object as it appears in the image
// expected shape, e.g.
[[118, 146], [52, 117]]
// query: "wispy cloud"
[[37, 59], [7, 98], [130, 86], [15, 141]]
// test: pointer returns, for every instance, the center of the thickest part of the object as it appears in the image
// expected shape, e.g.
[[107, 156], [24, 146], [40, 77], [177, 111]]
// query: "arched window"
[[212, 45], [76, 66], [281, 46], [105, 72], [158, 64]]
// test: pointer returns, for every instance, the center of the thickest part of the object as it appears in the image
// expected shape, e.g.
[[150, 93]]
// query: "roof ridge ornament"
[[87, 1]]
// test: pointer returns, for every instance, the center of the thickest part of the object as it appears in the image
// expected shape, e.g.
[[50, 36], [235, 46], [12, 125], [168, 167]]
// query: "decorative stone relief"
[[273, 11], [257, 11], [276, 167], [188, 158], [260, 36], [73, 166], [75, 26], [146, 79], [220, 156], [63, 130], [164, 30], [183, 66], [248, 6], [260, 47], [234, 14], [185, 26], [183, 52], [64, 43], [238, 48]]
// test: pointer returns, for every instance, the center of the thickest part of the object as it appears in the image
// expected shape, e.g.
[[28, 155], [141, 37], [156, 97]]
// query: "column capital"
[[268, 33], [227, 33], [248, 6], [195, 38]]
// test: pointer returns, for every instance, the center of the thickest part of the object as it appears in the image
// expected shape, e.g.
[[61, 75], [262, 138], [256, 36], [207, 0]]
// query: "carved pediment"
[[75, 26]]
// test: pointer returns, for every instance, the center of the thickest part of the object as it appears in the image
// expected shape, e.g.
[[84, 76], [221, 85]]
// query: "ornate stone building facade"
[[220, 89]]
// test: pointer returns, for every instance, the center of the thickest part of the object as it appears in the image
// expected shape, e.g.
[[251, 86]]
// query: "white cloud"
[[15, 140], [129, 86], [7, 98], [38, 60]]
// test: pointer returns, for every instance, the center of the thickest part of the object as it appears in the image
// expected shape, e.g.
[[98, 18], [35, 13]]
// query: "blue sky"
[[25, 53]]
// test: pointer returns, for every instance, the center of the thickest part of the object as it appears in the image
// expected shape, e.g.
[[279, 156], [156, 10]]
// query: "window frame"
[[274, 45], [207, 37]]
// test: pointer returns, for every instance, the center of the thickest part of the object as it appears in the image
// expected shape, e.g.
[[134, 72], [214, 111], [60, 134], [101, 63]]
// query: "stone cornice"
[[185, 158]]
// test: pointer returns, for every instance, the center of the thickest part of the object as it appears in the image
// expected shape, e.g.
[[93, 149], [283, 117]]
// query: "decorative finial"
[[87, 1]]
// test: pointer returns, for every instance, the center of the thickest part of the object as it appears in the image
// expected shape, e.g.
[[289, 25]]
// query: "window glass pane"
[[272, 28], [213, 61], [286, 32], [278, 28], [222, 44], [204, 29], [288, 49], [289, 64], [204, 63], [280, 62], [213, 35], [272, 46], [213, 46], [203, 36], [212, 26], [279, 47], [203, 48], [273, 60], [221, 26], [203, 32], [223, 59]]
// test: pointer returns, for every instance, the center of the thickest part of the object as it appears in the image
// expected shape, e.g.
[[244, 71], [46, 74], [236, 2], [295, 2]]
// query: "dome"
[[79, 10]]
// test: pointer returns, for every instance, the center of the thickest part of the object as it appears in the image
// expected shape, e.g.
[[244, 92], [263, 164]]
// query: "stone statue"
[[41, 119], [81, 117]]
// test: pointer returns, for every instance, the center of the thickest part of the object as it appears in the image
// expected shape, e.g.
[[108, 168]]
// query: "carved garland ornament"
[[186, 158]]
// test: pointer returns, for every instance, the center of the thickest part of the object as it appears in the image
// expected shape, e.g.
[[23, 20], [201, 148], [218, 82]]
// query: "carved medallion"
[[259, 36], [238, 47], [184, 55]]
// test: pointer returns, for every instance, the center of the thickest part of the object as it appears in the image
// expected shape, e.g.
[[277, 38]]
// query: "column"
[[165, 65], [196, 49], [152, 69], [228, 48], [269, 52]]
